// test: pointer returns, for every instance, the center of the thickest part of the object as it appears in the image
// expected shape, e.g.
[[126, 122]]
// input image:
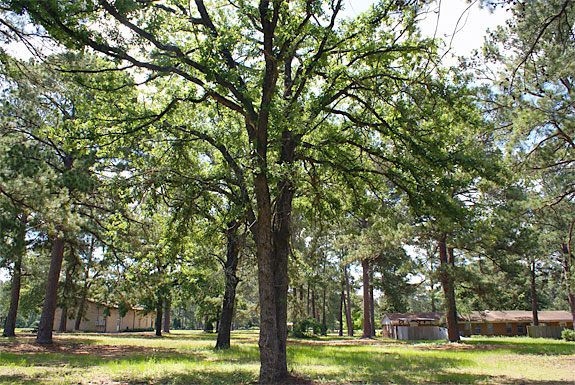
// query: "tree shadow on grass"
[[17, 379], [199, 378]]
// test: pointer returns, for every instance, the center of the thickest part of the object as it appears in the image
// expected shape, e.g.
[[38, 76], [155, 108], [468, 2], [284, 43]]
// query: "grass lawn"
[[188, 357]]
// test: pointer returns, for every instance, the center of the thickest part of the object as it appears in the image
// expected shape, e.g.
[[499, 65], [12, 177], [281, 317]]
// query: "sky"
[[462, 24]]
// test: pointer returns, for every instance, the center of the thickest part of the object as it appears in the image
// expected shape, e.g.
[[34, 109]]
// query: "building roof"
[[483, 316], [515, 316], [414, 317]]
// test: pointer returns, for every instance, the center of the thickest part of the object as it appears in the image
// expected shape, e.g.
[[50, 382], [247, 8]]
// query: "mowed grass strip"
[[188, 357]]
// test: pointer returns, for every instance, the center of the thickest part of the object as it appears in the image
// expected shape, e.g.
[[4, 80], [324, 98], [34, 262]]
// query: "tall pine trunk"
[[19, 251], [313, 307], [81, 305], [366, 299], [341, 308], [348, 319], [567, 265], [323, 307], [307, 303], [49, 308], [534, 308], [447, 262], [231, 283], [372, 302]]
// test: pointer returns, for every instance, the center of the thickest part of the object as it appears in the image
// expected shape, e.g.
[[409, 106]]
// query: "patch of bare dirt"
[[292, 380]]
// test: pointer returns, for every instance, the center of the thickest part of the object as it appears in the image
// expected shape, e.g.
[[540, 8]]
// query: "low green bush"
[[568, 334], [308, 328]]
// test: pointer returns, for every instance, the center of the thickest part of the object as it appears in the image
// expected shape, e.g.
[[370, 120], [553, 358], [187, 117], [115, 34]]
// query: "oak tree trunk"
[[159, 316], [49, 308], [272, 249], [231, 283], [19, 251], [167, 308], [447, 262]]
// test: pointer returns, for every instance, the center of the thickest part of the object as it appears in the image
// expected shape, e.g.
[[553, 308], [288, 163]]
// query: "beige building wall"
[[95, 319]]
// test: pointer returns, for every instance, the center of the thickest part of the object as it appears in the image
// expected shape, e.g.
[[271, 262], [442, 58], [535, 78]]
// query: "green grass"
[[189, 358]]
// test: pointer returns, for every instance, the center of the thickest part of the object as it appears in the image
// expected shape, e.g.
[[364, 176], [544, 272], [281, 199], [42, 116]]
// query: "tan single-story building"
[[509, 322], [487, 323], [106, 318], [414, 326]]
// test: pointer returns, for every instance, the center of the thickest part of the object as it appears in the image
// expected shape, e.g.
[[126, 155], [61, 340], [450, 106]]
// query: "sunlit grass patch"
[[184, 357]]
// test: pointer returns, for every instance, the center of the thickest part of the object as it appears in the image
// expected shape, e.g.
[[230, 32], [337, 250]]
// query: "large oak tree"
[[358, 97]]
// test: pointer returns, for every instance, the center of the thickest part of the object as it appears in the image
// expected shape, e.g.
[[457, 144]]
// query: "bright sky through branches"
[[460, 23]]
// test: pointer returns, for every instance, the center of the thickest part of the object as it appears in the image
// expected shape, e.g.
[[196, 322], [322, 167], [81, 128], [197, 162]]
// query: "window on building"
[[467, 326], [477, 329], [520, 329], [509, 328], [489, 328]]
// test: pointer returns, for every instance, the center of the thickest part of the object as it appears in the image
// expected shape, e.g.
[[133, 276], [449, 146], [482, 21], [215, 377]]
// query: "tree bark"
[[167, 308], [348, 319], [567, 265], [307, 303], [49, 308], [313, 308], [341, 308], [281, 239], [372, 302], [67, 292], [85, 288], [447, 262], [19, 251], [323, 308], [231, 283], [366, 300], [159, 316], [534, 309], [81, 305]]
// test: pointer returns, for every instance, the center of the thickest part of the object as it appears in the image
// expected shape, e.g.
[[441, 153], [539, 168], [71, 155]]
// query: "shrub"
[[308, 328], [568, 334]]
